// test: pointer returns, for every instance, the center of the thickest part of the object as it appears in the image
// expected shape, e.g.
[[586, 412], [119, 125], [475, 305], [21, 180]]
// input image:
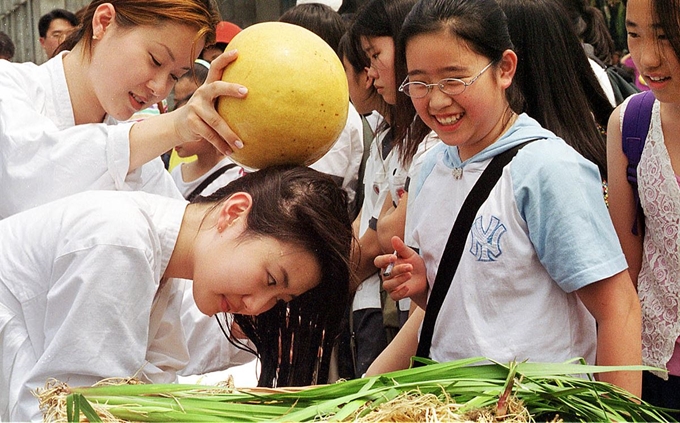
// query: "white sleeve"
[[40, 162], [96, 320]]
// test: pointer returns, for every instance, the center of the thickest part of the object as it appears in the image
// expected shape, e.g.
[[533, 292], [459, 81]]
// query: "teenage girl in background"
[[653, 253]]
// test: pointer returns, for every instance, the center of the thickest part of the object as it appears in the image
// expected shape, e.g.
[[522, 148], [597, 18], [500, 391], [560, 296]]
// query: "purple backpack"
[[636, 122]]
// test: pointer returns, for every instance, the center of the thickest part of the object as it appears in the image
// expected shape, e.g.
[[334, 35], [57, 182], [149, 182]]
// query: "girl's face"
[[381, 52], [133, 68], [651, 52], [188, 149], [473, 119], [360, 88], [248, 276], [184, 89]]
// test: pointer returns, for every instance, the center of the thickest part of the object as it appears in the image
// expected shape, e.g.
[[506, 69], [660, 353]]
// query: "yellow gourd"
[[297, 99]]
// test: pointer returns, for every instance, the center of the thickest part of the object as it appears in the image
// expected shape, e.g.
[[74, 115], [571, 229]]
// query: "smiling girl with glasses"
[[540, 266]]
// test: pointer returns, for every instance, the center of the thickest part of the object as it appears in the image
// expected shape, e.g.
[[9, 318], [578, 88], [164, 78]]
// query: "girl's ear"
[[232, 209], [103, 16], [508, 67]]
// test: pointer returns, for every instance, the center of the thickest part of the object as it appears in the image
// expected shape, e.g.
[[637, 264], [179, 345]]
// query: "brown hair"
[[298, 205], [200, 14]]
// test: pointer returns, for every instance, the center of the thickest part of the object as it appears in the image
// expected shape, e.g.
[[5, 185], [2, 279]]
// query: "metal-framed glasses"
[[450, 86]]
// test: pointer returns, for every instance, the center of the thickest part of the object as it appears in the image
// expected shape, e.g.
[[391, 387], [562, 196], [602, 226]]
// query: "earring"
[[94, 37]]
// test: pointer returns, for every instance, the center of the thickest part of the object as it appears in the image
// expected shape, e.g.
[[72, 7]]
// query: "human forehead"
[[59, 24], [296, 264], [440, 53], [175, 40], [639, 13], [372, 44]]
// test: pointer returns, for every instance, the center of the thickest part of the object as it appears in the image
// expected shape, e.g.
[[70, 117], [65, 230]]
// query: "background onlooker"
[[343, 160], [225, 32], [54, 27], [6, 47], [199, 168]]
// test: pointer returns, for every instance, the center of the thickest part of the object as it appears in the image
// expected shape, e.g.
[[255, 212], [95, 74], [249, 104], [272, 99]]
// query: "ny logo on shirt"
[[486, 241]]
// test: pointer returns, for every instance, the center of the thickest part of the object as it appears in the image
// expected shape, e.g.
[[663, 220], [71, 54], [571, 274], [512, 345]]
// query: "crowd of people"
[[482, 199]]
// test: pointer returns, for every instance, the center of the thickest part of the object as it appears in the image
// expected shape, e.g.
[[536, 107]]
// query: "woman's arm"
[[397, 355], [622, 207], [614, 304]]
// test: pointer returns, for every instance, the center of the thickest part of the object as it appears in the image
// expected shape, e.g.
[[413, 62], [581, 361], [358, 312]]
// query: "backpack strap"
[[636, 120], [209, 180], [456, 243]]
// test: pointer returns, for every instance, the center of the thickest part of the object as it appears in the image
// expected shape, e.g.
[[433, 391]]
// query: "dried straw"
[[430, 408]]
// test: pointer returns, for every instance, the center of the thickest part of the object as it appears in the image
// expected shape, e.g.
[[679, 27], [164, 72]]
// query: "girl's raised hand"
[[199, 119], [408, 277]]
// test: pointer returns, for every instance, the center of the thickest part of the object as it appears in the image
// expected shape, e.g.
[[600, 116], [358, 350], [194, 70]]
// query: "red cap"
[[225, 32]]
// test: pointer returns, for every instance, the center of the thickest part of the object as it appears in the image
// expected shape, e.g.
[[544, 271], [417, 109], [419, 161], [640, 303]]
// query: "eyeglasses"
[[450, 86]]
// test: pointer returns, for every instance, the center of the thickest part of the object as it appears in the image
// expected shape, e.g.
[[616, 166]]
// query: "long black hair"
[[554, 82], [298, 205], [668, 14]]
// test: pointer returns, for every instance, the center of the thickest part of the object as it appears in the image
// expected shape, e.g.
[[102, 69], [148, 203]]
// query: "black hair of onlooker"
[[46, 20], [6, 47], [319, 18]]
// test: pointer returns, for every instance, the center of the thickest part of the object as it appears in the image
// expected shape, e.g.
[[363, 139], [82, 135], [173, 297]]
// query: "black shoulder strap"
[[209, 180], [456, 243]]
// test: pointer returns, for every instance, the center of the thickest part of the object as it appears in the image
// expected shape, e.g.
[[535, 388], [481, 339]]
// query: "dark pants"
[[662, 393], [369, 337]]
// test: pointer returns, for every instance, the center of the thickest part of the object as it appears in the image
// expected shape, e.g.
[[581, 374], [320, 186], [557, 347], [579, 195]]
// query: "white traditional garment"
[[82, 298], [659, 278], [45, 156]]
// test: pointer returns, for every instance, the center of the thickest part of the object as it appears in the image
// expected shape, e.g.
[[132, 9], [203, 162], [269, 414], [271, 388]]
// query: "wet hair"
[[46, 20], [667, 12], [298, 205], [591, 27], [554, 82], [383, 18], [480, 23], [6, 47], [319, 18], [200, 14]]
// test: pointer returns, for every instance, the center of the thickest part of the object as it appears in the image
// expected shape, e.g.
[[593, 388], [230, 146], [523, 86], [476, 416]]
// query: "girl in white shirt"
[[91, 293]]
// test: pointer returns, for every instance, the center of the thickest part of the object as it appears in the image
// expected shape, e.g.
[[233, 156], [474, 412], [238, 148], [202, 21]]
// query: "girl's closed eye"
[[271, 281], [155, 62]]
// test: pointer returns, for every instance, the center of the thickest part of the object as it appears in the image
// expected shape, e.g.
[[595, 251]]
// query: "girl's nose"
[[438, 99], [257, 303], [650, 56], [160, 87]]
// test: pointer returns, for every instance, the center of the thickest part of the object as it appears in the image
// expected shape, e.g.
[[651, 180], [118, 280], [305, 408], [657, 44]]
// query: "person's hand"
[[199, 119], [407, 277]]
